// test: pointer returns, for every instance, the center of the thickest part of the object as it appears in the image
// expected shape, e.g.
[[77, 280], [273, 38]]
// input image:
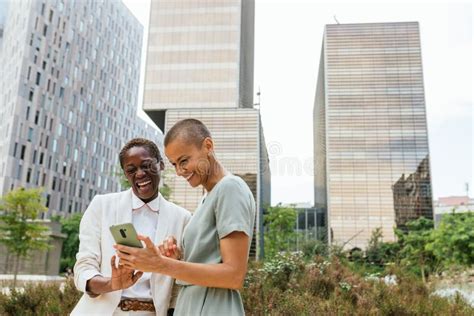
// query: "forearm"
[[99, 285], [219, 275]]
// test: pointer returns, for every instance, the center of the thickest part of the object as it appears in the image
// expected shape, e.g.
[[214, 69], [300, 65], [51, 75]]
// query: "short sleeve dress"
[[229, 207]]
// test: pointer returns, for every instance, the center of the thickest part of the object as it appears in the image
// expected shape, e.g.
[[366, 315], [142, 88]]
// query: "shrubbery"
[[323, 280], [287, 286], [40, 299]]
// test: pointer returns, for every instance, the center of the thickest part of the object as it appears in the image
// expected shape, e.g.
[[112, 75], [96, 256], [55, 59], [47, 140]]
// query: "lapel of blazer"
[[163, 220], [160, 234], [123, 207]]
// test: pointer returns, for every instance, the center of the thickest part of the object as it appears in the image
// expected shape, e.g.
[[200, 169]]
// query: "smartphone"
[[125, 234]]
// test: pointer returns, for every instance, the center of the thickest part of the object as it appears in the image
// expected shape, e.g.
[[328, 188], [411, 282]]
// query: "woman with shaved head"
[[216, 241]]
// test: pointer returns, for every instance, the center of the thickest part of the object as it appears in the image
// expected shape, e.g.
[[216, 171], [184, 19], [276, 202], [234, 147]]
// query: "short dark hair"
[[192, 131], [140, 142]]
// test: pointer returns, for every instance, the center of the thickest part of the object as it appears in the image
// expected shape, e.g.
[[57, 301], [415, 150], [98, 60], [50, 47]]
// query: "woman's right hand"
[[122, 277], [169, 248]]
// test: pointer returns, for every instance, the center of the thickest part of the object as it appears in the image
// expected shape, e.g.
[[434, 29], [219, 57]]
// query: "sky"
[[288, 39]]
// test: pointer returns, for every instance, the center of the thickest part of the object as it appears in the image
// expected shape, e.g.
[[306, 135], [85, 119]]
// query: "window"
[[38, 78], [28, 175], [22, 154], [30, 134], [30, 95], [18, 172]]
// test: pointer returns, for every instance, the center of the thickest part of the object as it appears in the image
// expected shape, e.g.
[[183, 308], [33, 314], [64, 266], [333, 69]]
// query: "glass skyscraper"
[[371, 150], [200, 65], [68, 98]]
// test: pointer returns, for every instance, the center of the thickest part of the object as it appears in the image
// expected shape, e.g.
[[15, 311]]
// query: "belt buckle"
[[123, 306]]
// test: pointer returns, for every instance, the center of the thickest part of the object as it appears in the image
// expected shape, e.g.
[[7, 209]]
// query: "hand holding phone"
[[125, 234]]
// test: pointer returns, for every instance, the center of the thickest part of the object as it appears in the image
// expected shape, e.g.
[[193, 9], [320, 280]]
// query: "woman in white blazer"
[[112, 289]]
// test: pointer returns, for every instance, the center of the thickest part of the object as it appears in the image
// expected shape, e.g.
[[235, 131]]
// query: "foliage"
[[70, 227], [40, 299], [326, 286], [453, 240], [282, 266], [323, 286], [280, 229], [19, 231], [312, 248], [414, 250], [379, 252]]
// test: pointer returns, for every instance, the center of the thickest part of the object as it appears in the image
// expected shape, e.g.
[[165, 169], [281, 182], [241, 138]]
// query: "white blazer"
[[96, 249]]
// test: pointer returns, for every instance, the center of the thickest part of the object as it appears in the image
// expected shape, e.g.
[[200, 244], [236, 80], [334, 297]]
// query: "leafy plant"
[[453, 240], [19, 231], [70, 227], [280, 229], [414, 250], [281, 267]]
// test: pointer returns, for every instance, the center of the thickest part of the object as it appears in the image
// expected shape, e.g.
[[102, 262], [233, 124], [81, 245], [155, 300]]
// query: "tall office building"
[[68, 91], [370, 135], [200, 65]]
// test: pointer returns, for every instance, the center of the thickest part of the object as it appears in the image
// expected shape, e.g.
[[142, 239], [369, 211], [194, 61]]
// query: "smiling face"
[[143, 173], [190, 161]]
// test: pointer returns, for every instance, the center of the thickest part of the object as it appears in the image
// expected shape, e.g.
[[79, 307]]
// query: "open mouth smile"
[[143, 184]]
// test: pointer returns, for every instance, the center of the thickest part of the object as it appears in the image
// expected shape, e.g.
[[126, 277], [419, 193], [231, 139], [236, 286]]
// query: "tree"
[[414, 250], [373, 251], [70, 227], [453, 240], [19, 231], [280, 229], [379, 252]]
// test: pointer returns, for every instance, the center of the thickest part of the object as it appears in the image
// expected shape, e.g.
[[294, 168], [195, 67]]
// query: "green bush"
[[312, 248], [453, 240], [282, 267], [70, 227], [330, 287], [286, 285], [40, 299]]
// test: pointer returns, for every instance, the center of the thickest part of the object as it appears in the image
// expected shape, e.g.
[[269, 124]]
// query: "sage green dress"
[[229, 207]]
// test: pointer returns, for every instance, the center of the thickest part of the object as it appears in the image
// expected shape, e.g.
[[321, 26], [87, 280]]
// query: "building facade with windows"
[[200, 65], [371, 150], [68, 91]]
